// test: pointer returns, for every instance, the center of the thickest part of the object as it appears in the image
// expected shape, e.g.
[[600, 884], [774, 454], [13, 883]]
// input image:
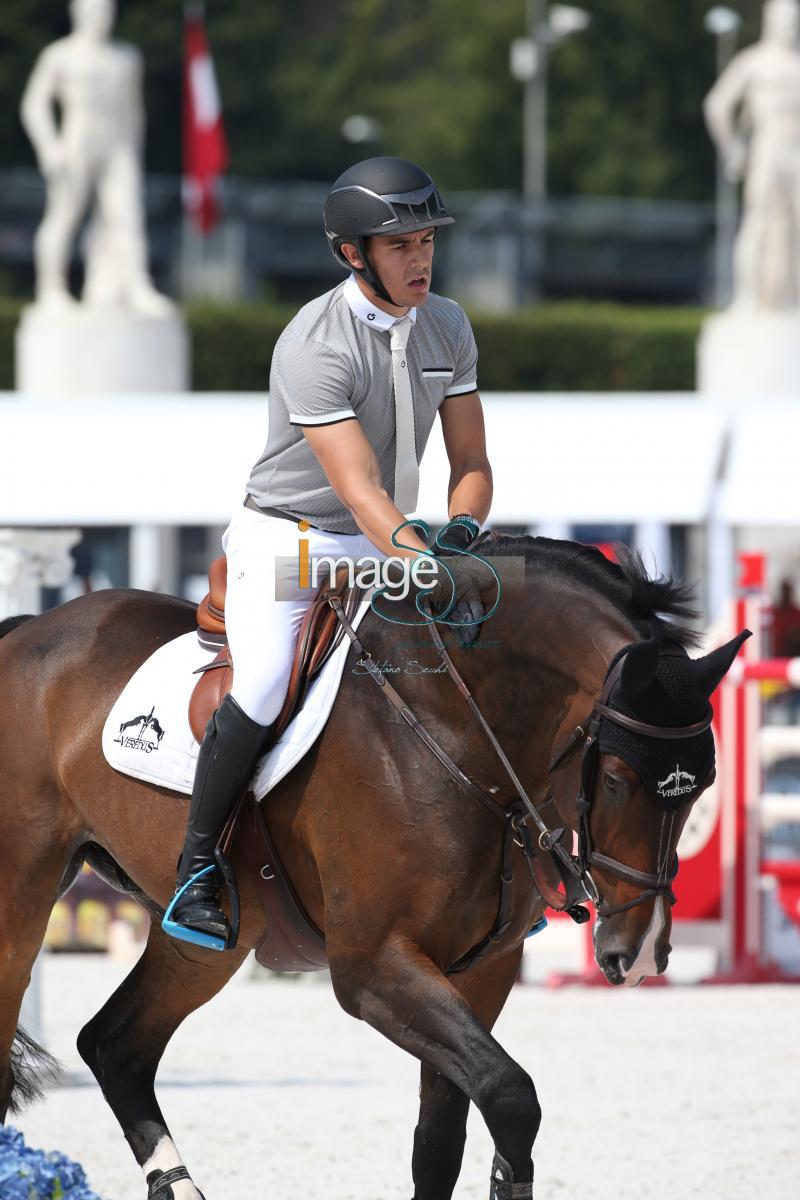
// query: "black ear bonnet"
[[660, 685]]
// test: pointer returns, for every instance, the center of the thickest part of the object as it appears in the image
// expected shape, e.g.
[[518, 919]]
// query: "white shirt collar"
[[360, 307]]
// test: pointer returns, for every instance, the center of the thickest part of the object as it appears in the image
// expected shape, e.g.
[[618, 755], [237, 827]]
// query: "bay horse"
[[390, 853]]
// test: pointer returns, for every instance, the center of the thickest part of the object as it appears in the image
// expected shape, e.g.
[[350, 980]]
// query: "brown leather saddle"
[[291, 942], [320, 634]]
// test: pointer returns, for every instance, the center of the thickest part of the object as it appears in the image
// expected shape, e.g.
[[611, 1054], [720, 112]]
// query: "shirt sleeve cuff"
[[340, 414], [461, 389]]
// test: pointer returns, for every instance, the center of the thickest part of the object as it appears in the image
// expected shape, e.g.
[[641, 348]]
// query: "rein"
[[514, 815], [573, 870]]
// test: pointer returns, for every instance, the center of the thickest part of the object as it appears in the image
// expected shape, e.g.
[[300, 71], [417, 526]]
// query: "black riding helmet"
[[375, 197]]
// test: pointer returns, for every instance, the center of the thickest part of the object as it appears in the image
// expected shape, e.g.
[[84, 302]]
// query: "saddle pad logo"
[[149, 736], [677, 783]]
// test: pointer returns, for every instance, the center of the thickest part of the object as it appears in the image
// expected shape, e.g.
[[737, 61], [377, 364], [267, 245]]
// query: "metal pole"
[[193, 282], [535, 109], [727, 200], [193, 260], [652, 540], [534, 156]]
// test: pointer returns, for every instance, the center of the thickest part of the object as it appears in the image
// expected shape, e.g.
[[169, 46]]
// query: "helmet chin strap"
[[370, 275]]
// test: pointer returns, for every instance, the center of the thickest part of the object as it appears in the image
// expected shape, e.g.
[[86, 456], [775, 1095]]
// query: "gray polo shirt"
[[332, 363]]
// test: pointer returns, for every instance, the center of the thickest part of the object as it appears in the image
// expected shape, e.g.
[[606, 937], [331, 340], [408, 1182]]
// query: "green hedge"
[[588, 348], [232, 345], [9, 315], [553, 347]]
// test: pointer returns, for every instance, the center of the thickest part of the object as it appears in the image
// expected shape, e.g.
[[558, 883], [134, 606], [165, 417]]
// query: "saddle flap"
[[291, 941], [213, 685]]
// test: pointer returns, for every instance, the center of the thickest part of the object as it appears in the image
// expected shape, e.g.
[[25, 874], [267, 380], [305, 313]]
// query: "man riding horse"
[[356, 381], [426, 832]]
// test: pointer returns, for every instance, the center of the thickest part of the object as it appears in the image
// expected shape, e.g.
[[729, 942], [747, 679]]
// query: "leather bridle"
[[656, 883], [574, 870]]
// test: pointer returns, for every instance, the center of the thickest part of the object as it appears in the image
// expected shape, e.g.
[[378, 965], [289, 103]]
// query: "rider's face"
[[94, 18], [403, 263], [782, 22]]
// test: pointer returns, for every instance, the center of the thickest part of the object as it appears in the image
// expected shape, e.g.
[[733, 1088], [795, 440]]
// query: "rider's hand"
[[450, 586], [458, 534], [456, 582]]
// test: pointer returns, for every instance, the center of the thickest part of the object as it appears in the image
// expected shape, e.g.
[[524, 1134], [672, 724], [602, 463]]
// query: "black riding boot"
[[232, 745]]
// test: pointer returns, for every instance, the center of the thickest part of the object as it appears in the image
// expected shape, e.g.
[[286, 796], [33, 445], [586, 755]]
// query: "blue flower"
[[27, 1174]]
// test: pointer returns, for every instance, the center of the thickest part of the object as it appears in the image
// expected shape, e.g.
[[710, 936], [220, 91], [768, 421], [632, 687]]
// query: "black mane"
[[11, 623], [651, 605]]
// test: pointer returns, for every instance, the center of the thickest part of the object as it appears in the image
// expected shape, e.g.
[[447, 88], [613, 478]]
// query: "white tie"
[[406, 468]]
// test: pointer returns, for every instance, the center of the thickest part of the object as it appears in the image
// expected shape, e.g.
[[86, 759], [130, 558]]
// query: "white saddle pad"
[[147, 732]]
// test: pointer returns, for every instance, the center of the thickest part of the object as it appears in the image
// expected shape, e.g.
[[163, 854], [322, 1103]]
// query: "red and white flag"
[[205, 148]]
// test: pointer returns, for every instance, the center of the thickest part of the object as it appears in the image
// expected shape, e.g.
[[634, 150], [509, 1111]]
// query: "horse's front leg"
[[439, 1137], [442, 1127], [406, 997]]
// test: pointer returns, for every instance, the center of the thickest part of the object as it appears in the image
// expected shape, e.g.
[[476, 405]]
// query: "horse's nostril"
[[615, 967]]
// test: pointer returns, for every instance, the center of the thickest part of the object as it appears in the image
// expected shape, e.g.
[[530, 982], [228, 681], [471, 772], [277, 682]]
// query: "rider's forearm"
[[378, 517], [471, 489]]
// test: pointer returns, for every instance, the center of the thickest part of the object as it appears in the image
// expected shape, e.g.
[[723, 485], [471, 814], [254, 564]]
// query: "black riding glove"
[[451, 588], [457, 535], [458, 582]]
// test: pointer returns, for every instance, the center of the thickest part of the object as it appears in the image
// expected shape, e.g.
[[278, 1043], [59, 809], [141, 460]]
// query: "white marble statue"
[[94, 152], [753, 114]]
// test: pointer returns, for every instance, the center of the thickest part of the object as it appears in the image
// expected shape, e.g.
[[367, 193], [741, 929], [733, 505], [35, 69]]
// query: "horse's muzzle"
[[615, 967]]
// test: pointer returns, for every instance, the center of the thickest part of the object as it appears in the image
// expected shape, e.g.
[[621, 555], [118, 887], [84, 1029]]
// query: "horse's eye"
[[611, 783]]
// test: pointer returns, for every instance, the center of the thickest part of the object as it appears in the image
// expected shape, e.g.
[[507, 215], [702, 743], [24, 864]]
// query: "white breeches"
[[262, 629]]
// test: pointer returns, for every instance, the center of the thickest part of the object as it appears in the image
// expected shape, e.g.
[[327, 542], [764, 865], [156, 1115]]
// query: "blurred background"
[[622, 189], [594, 237]]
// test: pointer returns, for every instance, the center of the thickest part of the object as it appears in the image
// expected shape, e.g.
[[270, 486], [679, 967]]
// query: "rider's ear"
[[639, 666], [711, 670], [351, 254]]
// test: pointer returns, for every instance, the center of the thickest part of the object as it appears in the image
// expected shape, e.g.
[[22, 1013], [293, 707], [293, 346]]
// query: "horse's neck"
[[592, 634], [535, 671]]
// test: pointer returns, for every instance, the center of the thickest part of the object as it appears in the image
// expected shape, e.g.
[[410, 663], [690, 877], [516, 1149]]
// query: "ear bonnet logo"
[[678, 783]]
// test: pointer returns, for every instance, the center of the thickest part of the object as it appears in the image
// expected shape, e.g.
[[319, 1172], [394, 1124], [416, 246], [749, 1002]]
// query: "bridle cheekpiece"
[[654, 883]]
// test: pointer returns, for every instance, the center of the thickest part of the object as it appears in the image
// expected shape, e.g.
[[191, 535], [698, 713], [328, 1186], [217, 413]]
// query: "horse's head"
[[651, 757]]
